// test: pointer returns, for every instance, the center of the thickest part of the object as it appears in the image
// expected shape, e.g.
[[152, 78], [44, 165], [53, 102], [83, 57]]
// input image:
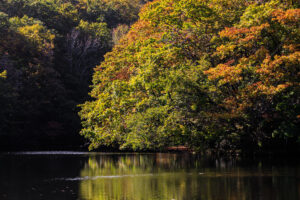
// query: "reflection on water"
[[175, 176], [98, 176]]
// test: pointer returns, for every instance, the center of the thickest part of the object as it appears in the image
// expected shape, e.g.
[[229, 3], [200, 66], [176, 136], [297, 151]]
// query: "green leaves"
[[97, 30], [199, 73], [49, 49]]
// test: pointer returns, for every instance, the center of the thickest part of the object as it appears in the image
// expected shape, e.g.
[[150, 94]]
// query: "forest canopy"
[[48, 49], [221, 75], [218, 75]]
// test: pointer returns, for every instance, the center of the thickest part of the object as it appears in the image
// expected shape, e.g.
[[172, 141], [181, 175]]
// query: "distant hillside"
[[48, 49]]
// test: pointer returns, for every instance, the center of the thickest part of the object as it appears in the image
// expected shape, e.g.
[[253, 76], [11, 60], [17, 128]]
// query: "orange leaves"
[[273, 75], [279, 67], [232, 104], [264, 69], [288, 16], [123, 74], [226, 73], [234, 33], [257, 87], [261, 88], [291, 47], [240, 39], [141, 31]]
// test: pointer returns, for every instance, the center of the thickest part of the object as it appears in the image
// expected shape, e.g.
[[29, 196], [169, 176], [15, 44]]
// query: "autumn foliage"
[[218, 75]]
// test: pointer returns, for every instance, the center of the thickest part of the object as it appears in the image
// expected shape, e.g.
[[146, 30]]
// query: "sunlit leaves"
[[34, 31], [207, 74], [262, 65], [97, 30], [3, 74]]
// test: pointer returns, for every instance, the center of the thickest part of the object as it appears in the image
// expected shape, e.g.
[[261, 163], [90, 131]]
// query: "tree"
[[49, 49], [258, 75], [206, 74]]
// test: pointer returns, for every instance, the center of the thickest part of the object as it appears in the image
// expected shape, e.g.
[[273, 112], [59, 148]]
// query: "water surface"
[[158, 176]]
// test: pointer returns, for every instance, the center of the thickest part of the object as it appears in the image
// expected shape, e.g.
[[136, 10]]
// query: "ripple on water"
[[98, 177]]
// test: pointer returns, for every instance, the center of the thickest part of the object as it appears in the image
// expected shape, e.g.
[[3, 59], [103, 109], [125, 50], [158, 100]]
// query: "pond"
[[148, 176]]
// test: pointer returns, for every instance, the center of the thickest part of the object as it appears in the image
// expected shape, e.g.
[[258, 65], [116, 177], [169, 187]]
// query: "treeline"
[[219, 75], [48, 49]]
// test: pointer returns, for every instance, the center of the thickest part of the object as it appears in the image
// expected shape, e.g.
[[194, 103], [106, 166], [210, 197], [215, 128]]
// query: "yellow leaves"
[[282, 87], [225, 50], [30, 31], [68, 10], [97, 30], [38, 35], [3, 74], [158, 12]]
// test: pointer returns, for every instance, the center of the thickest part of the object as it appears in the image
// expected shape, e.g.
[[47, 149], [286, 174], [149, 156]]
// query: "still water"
[[160, 176]]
